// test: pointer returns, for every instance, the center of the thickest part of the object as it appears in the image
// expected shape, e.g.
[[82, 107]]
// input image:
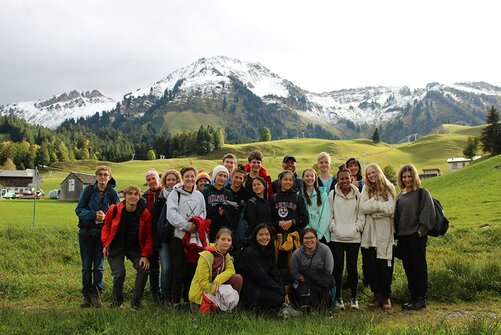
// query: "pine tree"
[[265, 134], [491, 135], [375, 136], [218, 139]]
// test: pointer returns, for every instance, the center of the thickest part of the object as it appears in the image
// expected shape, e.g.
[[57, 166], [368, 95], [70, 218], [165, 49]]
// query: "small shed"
[[73, 184], [457, 163], [17, 180], [430, 173]]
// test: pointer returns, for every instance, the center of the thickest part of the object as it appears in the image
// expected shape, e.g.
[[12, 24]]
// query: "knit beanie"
[[152, 172], [202, 175], [219, 169]]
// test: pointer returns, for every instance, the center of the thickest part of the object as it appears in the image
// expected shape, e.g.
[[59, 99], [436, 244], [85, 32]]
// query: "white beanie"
[[152, 172], [218, 169]]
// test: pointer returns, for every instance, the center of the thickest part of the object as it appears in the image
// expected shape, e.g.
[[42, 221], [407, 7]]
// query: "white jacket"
[[379, 229], [190, 205], [347, 221]]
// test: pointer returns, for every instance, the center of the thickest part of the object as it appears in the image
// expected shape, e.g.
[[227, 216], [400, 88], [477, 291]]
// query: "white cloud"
[[118, 46]]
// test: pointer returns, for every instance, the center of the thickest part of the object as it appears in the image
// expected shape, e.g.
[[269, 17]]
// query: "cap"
[[288, 157]]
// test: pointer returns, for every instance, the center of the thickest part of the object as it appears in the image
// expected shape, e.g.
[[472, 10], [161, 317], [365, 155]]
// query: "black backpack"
[[164, 228], [441, 224]]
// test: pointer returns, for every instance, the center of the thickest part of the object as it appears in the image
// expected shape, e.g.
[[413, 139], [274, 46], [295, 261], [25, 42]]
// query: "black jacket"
[[257, 211], [289, 205]]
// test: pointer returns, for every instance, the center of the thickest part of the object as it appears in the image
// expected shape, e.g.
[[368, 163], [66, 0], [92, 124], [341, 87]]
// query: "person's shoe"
[[410, 303], [339, 304], [288, 312], [387, 304], [376, 301], [87, 301], [135, 304], [354, 303], [95, 300], [116, 305], [419, 304]]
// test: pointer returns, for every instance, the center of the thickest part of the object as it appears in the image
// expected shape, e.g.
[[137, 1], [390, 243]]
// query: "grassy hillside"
[[428, 152], [40, 271]]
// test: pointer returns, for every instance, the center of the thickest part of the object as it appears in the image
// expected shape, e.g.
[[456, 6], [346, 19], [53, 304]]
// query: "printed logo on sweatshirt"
[[283, 208], [216, 199]]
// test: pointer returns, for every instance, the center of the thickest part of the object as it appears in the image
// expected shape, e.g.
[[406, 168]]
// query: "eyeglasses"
[[309, 238], [103, 175]]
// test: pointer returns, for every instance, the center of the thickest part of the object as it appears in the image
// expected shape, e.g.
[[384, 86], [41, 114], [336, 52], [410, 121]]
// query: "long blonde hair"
[[382, 187]]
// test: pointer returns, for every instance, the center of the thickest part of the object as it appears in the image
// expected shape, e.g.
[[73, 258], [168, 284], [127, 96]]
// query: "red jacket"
[[111, 224]]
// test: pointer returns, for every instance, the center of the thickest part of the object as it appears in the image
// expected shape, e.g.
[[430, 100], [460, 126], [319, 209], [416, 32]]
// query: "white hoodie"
[[190, 205], [347, 221]]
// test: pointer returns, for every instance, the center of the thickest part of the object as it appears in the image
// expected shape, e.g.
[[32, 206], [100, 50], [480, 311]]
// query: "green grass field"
[[40, 266]]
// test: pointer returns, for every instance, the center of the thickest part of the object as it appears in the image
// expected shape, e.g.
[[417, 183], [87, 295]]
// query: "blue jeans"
[[91, 253], [166, 270]]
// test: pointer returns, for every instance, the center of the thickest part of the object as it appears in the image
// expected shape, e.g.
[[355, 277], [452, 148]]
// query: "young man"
[[91, 209], [127, 232], [255, 168], [230, 163], [289, 163], [240, 194], [216, 201]]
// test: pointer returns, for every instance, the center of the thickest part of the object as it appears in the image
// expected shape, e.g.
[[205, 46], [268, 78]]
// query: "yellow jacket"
[[202, 279]]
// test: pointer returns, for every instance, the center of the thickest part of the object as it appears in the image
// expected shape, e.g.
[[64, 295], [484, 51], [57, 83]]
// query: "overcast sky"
[[117, 46]]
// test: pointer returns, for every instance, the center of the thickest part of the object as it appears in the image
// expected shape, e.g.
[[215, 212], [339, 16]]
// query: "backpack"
[[441, 224], [240, 231], [164, 228]]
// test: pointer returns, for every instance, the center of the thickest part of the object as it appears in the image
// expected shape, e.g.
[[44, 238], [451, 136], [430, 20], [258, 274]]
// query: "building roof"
[[85, 178], [17, 173], [461, 159], [431, 170]]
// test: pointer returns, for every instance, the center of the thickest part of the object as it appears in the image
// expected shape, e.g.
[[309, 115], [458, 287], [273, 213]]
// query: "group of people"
[[238, 237]]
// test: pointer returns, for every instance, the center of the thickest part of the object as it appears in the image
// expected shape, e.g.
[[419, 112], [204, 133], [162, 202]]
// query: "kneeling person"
[[127, 232]]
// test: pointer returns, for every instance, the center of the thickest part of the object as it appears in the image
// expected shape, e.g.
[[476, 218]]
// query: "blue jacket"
[[97, 201]]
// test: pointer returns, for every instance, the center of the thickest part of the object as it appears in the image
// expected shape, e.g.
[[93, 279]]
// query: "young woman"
[[237, 189], [216, 197], [317, 204], [347, 224], [311, 266], [215, 268], [183, 204], [325, 178], [169, 179], [258, 208], [289, 215], [378, 203], [353, 165], [155, 200], [202, 179], [414, 217], [263, 289]]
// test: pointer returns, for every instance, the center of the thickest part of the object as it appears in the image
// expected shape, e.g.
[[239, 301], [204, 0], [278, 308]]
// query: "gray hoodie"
[[190, 205], [347, 221]]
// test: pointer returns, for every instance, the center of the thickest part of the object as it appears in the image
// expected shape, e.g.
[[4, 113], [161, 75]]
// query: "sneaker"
[[420, 303], [354, 303], [339, 304], [287, 312]]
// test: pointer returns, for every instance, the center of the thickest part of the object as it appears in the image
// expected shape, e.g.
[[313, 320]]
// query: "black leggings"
[[183, 271], [338, 250]]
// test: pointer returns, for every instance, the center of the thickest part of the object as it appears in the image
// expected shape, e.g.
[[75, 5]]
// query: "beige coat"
[[379, 229]]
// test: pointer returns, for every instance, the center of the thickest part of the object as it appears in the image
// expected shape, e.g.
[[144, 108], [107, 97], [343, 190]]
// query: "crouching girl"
[[215, 274]]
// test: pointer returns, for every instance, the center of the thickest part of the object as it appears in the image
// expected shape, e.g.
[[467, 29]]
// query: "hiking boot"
[[354, 303], [339, 304], [420, 303], [95, 300], [376, 301], [387, 304], [87, 301]]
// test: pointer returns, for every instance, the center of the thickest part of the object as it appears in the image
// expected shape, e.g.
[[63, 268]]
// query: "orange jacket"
[[112, 222]]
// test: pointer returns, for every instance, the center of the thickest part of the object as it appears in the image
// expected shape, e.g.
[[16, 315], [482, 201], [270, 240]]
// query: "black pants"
[[378, 272], [117, 265], [338, 250], [183, 271], [154, 275], [412, 249]]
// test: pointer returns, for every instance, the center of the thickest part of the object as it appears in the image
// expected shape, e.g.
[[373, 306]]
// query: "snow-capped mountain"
[[54, 110], [241, 97]]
